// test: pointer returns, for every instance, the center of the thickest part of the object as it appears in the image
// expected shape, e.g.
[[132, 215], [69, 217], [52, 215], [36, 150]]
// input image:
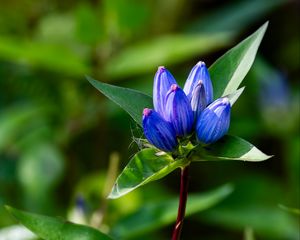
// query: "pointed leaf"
[[234, 96], [165, 50], [130, 100], [230, 148], [153, 216], [50, 228], [228, 71], [44, 55], [145, 166], [234, 16], [18, 232], [289, 209]]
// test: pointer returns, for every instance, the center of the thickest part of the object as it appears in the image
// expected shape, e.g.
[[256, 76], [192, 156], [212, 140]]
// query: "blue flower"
[[199, 72], [198, 101], [158, 131], [213, 123], [178, 111], [162, 82]]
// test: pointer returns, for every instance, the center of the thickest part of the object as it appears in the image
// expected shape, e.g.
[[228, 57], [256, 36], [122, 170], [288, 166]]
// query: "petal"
[[159, 132], [199, 72], [162, 82], [198, 101], [214, 121], [178, 111]]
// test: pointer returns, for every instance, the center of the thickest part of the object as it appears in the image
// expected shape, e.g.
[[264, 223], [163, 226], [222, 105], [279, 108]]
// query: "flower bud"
[[213, 122], [178, 111], [199, 72], [162, 82], [158, 131], [198, 101]]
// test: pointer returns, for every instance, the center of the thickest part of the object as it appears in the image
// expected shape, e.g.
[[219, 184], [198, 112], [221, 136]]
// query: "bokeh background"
[[62, 142]]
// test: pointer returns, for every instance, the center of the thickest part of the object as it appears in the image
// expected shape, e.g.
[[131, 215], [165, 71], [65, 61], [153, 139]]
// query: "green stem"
[[184, 180]]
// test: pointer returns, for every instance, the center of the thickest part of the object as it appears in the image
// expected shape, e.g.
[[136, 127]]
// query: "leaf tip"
[[269, 156], [14, 212], [112, 194], [227, 189], [91, 80], [8, 208], [264, 27]]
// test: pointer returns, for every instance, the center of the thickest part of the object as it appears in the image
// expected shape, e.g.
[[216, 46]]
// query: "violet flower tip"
[[201, 63], [174, 87], [147, 111], [161, 68]]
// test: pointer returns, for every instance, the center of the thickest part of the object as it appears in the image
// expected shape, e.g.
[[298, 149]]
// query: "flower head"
[[159, 132], [214, 121], [162, 82], [199, 72], [176, 110]]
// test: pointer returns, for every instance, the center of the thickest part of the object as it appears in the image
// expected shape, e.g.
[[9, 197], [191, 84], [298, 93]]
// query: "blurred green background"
[[62, 142]]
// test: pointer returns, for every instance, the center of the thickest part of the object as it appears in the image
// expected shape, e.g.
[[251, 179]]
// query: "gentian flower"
[[199, 72], [198, 101], [177, 112], [162, 83], [213, 122], [159, 132]]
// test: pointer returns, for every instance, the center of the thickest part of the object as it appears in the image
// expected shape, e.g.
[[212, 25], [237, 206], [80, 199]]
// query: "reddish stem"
[[184, 180]]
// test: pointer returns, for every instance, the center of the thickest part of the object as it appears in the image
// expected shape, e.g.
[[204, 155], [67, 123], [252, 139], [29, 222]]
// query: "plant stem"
[[184, 180]]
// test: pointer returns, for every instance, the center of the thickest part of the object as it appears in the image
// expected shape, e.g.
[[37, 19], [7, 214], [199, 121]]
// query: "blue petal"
[[199, 72], [214, 121], [162, 82], [198, 101], [178, 111], [159, 132]]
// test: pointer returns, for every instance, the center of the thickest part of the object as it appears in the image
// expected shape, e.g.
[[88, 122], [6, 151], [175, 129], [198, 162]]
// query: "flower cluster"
[[177, 112]]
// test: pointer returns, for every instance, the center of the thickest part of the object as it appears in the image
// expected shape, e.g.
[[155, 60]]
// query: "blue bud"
[[158, 131], [199, 72], [213, 122], [198, 101], [178, 111], [162, 82]]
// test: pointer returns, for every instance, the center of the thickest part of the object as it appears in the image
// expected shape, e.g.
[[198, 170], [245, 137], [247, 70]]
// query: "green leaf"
[[18, 232], [130, 100], [234, 16], [145, 166], [43, 55], [261, 218], [254, 204], [50, 228], [153, 216], [165, 50], [230, 148], [228, 71], [234, 96], [289, 209], [42, 161], [12, 122]]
